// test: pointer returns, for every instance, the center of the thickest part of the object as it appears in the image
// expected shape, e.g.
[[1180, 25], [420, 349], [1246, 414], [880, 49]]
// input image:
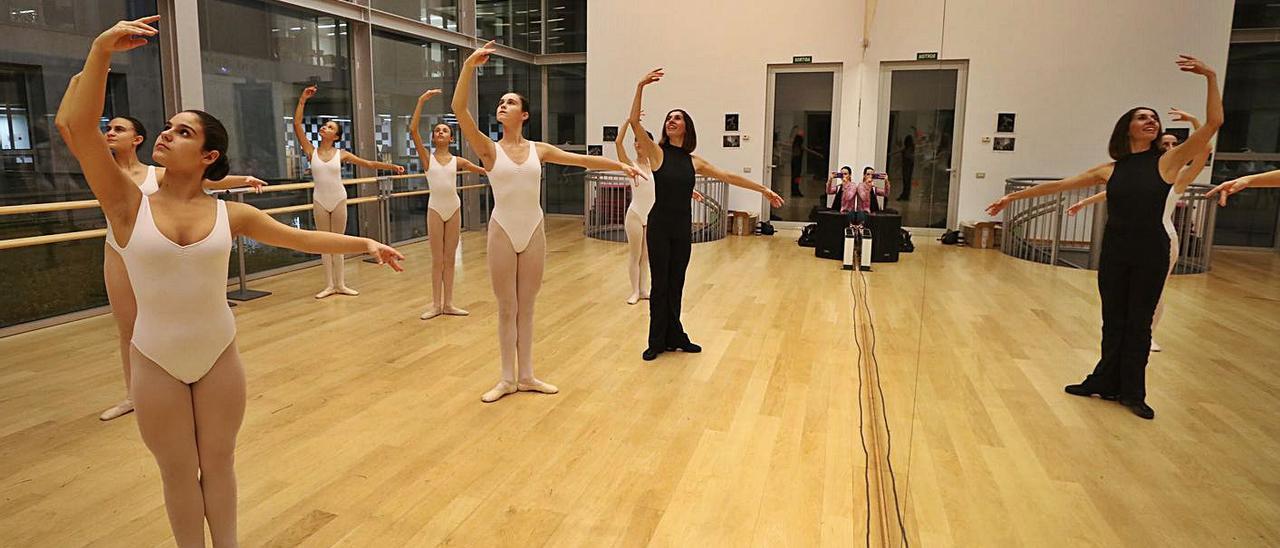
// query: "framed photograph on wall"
[[596, 150], [732, 141], [1002, 144], [731, 121], [1005, 122], [610, 134], [1180, 132]]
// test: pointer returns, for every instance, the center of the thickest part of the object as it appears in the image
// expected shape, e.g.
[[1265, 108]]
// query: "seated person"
[[857, 202]]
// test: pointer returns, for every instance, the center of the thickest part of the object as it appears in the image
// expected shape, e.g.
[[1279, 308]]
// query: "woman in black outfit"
[[1135, 246], [670, 221]]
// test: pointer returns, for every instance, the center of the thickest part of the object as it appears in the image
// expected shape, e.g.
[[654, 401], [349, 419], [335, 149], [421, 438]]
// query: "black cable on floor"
[[866, 455], [897, 506]]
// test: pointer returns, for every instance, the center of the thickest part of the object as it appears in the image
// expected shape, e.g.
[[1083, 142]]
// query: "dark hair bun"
[[218, 169]]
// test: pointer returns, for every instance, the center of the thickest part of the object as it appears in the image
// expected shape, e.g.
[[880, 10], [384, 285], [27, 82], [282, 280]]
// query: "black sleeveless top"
[[673, 186], [1136, 196]]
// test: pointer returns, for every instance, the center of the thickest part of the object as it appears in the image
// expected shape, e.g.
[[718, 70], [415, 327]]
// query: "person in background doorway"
[[798, 151], [908, 152]]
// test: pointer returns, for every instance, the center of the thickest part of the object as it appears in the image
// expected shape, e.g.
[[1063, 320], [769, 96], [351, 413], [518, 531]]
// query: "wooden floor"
[[364, 425]]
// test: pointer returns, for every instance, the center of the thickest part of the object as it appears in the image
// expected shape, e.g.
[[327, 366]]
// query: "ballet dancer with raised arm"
[[444, 222], [330, 196], [517, 245], [187, 378]]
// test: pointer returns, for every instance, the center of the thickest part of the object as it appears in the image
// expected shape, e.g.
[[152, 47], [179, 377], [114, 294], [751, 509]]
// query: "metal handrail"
[[1039, 230], [607, 196]]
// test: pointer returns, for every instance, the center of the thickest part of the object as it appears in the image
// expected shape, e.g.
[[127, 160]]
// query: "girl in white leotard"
[[1176, 191], [124, 135], [516, 244], [187, 380], [330, 196], [444, 222], [637, 217]]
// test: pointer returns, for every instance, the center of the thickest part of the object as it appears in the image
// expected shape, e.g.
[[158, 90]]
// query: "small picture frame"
[[1006, 122], [731, 121], [1182, 133], [610, 134], [732, 141], [1003, 144], [596, 150]]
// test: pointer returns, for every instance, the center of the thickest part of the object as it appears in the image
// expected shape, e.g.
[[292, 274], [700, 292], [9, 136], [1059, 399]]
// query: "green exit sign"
[[802, 59], [927, 56]]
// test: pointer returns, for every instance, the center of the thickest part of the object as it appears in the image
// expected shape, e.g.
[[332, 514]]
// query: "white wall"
[[716, 56], [1068, 68]]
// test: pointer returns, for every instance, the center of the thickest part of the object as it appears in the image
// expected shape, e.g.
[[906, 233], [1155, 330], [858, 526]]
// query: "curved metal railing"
[[1039, 229], [609, 194]]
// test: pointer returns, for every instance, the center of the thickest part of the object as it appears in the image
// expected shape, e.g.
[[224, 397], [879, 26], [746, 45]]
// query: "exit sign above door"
[[802, 59], [927, 56]]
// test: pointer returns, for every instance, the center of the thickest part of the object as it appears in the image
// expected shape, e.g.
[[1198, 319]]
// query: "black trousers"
[[908, 169], [670, 244], [1130, 280]]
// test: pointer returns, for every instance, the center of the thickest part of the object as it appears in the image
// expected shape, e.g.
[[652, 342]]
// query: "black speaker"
[[829, 236], [886, 236]]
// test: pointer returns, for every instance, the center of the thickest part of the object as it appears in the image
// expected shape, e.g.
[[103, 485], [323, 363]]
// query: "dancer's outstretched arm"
[[424, 153], [1179, 156], [299, 111], [250, 221], [1076, 207], [1096, 175], [707, 169], [78, 117], [480, 143], [350, 158], [235, 181], [553, 155], [619, 144], [1270, 179], [651, 149]]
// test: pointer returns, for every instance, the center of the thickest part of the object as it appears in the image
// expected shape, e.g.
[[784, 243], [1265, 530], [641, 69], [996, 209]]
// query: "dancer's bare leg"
[[219, 401], [503, 262], [452, 233], [635, 244], [436, 238], [338, 220], [323, 222], [166, 421], [530, 265], [125, 310]]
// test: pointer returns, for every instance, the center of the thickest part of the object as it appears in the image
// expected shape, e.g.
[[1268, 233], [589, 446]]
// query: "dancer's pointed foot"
[[118, 410], [498, 391], [327, 292], [430, 313], [451, 310], [633, 299], [1155, 347], [344, 290], [535, 385]]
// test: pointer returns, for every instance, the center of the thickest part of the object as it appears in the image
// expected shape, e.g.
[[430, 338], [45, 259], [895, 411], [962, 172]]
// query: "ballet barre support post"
[[243, 293]]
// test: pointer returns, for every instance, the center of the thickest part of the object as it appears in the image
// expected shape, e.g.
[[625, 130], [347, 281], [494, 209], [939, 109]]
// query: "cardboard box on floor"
[[744, 224], [981, 235]]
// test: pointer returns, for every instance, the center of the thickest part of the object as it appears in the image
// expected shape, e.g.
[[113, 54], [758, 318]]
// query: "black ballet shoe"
[[1084, 391], [686, 347], [650, 354], [1139, 408]]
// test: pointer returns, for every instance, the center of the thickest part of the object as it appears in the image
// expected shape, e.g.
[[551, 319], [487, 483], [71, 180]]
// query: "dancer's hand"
[[1228, 188], [631, 171], [652, 77], [126, 35], [397, 169], [1187, 63], [427, 95], [386, 254], [997, 206], [698, 197], [256, 183], [1179, 115], [307, 93], [1075, 208], [774, 199], [481, 56]]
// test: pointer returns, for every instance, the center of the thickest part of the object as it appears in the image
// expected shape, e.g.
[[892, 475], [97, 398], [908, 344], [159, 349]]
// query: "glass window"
[[257, 57], [500, 76], [513, 23], [1255, 14], [566, 26], [404, 68], [1252, 216], [1249, 99], [437, 13], [50, 280], [567, 104]]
